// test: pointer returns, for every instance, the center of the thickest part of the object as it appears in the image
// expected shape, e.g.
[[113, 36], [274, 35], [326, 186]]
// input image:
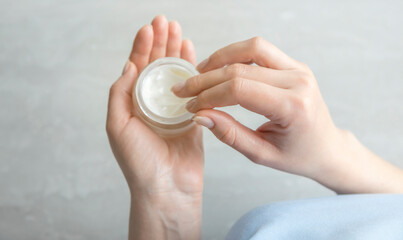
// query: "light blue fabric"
[[369, 217]]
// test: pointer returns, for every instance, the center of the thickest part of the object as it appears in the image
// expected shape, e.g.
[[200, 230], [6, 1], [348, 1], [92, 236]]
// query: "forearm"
[[355, 169], [173, 216]]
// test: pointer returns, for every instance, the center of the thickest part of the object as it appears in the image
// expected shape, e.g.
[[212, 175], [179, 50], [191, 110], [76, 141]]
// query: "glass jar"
[[154, 101]]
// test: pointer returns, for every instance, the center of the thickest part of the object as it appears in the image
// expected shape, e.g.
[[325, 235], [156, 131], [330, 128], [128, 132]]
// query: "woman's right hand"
[[300, 136]]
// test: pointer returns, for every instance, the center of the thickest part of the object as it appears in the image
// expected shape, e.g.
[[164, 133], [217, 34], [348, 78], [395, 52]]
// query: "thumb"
[[243, 139], [120, 103]]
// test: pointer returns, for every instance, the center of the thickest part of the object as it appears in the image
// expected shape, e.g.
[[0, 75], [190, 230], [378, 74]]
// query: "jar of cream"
[[154, 101]]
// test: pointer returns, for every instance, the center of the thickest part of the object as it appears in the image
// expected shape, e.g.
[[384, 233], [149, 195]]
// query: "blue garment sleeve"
[[369, 217]]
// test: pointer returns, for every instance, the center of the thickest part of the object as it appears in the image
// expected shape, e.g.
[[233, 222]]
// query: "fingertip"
[[204, 121], [230, 131], [174, 27], [146, 32], [177, 88], [222, 125], [148, 27], [159, 19], [207, 117], [188, 43], [142, 46], [174, 44], [143, 38], [160, 24], [160, 28], [214, 114]]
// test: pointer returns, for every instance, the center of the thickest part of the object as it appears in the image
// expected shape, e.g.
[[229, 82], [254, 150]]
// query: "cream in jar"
[[155, 103]]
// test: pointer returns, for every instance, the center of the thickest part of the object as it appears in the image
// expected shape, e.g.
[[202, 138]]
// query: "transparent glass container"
[[154, 101]]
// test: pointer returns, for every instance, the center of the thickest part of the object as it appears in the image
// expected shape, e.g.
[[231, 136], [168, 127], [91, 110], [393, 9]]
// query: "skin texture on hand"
[[165, 175], [299, 136]]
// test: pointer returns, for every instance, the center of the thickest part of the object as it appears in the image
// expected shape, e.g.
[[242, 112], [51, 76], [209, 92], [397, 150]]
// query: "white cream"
[[154, 101], [157, 94]]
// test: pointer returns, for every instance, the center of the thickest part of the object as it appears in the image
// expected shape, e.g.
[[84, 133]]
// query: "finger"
[[255, 96], [142, 47], [256, 50], [248, 142], [160, 27], [194, 85], [188, 51], [120, 103], [174, 40]]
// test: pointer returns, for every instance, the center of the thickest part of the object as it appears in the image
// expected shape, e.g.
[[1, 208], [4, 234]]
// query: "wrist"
[[165, 216], [352, 168], [167, 201], [338, 163]]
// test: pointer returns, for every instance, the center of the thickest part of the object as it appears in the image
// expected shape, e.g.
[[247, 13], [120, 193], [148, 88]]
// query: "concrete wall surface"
[[58, 177]]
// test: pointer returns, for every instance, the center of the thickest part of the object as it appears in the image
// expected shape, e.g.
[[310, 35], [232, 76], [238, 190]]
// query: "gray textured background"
[[58, 178]]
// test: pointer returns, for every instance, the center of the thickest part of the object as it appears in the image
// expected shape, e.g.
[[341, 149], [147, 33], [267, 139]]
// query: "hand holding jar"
[[165, 175]]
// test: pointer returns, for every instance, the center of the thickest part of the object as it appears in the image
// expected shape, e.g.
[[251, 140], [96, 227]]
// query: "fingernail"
[[127, 65], [190, 104], [204, 121], [202, 64], [178, 87]]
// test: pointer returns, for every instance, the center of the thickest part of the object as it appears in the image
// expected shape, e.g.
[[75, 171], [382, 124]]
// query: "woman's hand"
[[300, 137], [165, 176]]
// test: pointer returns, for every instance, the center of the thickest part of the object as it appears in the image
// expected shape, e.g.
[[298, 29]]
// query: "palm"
[[177, 161], [148, 160]]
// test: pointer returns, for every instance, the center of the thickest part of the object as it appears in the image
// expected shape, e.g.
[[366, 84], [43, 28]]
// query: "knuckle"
[[237, 86], [229, 136], [263, 158], [217, 55], [193, 83], [235, 70], [302, 105], [304, 65], [305, 79], [202, 101], [256, 42], [160, 43]]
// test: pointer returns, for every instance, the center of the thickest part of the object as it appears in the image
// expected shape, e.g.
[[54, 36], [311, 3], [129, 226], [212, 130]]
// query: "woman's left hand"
[[165, 175]]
